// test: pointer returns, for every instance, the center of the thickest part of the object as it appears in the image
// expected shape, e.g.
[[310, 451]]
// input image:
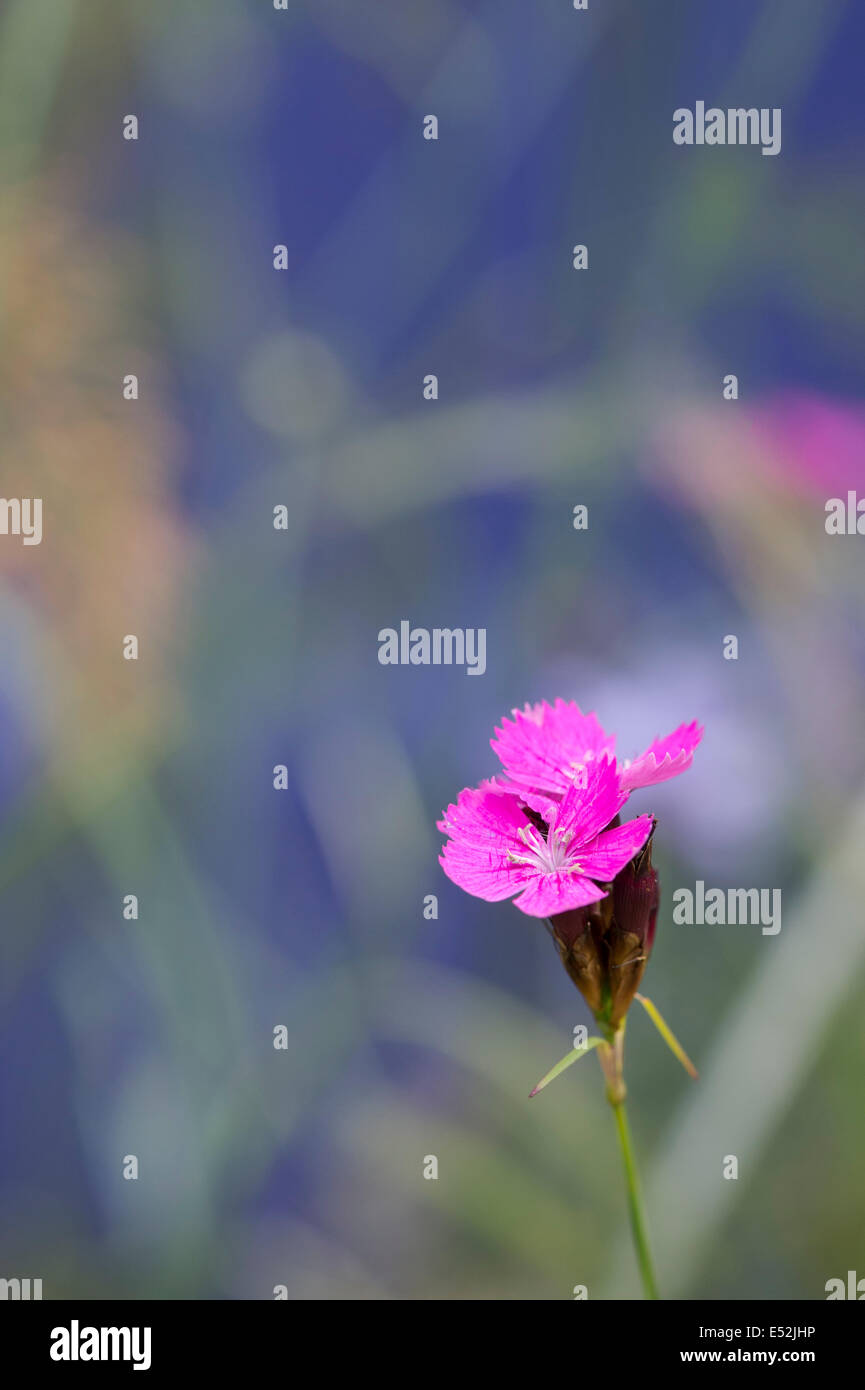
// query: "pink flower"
[[813, 441], [553, 859], [664, 758], [546, 746]]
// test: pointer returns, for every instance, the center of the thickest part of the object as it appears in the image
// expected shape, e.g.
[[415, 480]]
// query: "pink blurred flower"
[[546, 746], [729, 466], [812, 441], [554, 858]]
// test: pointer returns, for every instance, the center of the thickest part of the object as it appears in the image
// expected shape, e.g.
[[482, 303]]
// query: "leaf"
[[573, 1056], [672, 1042]]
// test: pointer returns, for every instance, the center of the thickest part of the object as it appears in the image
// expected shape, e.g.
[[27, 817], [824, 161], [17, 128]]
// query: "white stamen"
[[550, 855]]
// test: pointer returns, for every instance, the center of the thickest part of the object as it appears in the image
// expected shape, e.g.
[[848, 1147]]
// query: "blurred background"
[[303, 907]]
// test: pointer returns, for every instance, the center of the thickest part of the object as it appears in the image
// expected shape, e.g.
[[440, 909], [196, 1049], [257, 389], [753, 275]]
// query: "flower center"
[[549, 855]]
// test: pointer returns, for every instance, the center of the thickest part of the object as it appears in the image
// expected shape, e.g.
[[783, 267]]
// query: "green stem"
[[635, 1202]]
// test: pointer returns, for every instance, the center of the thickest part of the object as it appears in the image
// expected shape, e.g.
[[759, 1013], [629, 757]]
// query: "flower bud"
[[604, 947]]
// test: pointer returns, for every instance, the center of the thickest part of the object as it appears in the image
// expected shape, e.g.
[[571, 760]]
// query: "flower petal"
[[482, 829], [543, 746], [548, 894], [664, 758], [613, 849], [586, 809], [544, 806]]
